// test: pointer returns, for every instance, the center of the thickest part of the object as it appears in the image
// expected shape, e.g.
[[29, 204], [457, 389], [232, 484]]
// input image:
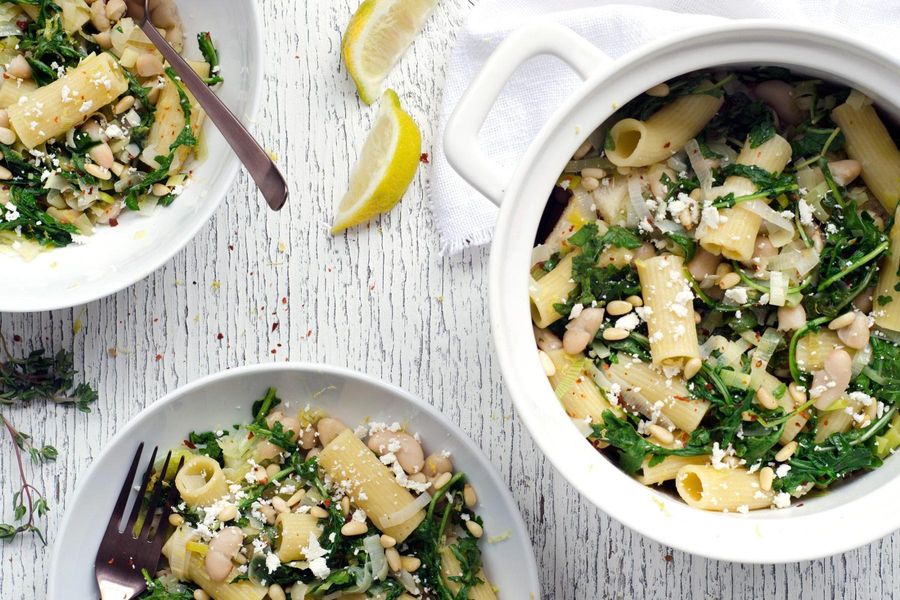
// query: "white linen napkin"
[[464, 217]]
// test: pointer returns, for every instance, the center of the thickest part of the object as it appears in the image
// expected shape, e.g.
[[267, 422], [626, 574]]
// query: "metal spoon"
[[264, 172]]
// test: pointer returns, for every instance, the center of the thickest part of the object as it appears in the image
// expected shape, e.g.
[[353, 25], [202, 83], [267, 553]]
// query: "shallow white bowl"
[[116, 257], [852, 514], [220, 400]]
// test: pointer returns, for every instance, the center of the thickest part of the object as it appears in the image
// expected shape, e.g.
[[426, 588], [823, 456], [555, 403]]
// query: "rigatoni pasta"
[[727, 326]]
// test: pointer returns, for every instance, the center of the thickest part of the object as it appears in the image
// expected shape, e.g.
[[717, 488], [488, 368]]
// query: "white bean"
[[780, 96], [266, 450], [791, 318], [98, 15], [832, 380], [703, 264], [546, 340], [658, 91], [404, 446], [856, 334], [328, 429], [308, 438], [19, 67], [436, 464], [582, 329], [148, 64], [763, 250], [221, 550]]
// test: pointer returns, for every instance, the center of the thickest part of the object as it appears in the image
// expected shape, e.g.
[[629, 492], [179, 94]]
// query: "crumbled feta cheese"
[[737, 294]]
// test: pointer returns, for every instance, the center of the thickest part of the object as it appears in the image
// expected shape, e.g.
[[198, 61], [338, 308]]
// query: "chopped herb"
[[211, 56]]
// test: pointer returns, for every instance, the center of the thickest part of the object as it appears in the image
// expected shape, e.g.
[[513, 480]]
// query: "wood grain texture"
[[379, 300]]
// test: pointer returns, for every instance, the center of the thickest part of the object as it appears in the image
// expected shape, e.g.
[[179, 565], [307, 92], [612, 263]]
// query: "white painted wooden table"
[[380, 300]]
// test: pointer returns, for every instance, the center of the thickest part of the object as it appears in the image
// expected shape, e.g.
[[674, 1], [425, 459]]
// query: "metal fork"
[[126, 551], [263, 170]]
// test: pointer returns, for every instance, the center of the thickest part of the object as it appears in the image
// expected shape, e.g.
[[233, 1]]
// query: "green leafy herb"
[[633, 449], [206, 443], [815, 141], [165, 589], [22, 214], [762, 132], [823, 464], [211, 56], [685, 242], [49, 48]]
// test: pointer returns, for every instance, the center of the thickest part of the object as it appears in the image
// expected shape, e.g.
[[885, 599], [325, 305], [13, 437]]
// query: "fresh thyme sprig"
[[22, 381]]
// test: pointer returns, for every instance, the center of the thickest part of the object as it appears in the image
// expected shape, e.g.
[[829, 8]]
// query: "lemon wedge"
[[385, 167], [377, 36]]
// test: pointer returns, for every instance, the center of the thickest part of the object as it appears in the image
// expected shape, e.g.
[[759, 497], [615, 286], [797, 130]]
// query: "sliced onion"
[[407, 512], [778, 287], [700, 167], [298, 591], [760, 358], [676, 162], [639, 210], [784, 226], [408, 582], [733, 353], [858, 100], [860, 360], [583, 427], [715, 342], [725, 150], [566, 380], [807, 260], [541, 253]]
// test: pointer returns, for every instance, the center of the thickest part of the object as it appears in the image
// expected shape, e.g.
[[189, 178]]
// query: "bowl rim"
[[77, 296], [519, 531], [647, 511]]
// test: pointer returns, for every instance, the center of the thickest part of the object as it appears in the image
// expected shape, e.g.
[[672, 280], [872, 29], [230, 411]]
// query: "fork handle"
[[264, 172], [110, 590]]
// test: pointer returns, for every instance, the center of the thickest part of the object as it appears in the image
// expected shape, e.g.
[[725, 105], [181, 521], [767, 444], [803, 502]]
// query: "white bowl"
[[223, 399], [853, 514], [116, 257]]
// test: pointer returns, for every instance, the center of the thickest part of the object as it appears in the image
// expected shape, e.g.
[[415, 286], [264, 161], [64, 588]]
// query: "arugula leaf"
[[881, 377], [739, 118], [206, 443], [277, 435], [23, 214], [45, 42], [810, 141], [211, 56], [762, 133], [632, 448], [685, 242], [823, 464], [757, 442], [165, 589]]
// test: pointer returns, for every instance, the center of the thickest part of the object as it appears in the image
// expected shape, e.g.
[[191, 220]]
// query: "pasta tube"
[[293, 531], [735, 234], [201, 481], [13, 91], [550, 289], [576, 390], [869, 142], [667, 396], [721, 489], [668, 468], [450, 567], [888, 315], [370, 484], [54, 109], [170, 122], [642, 143], [240, 590], [670, 318]]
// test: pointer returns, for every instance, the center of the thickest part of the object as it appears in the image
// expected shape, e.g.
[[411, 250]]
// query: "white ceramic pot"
[[116, 257], [853, 514]]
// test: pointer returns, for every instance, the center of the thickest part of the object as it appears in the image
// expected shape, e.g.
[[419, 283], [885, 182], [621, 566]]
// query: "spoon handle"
[[264, 172]]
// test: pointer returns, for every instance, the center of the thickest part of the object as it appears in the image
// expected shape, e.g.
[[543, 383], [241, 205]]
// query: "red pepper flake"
[[113, 222], [189, 444], [231, 246], [423, 158], [284, 299], [309, 333], [274, 350], [220, 336], [668, 558], [17, 337], [327, 502], [682, 398], [275, 326], [159, 357]]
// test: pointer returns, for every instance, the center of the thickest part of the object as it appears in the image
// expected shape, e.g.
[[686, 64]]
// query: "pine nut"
[[160, 190], [593, 172], [546, 361], [697, 318], [102, 155], [590, 183], [635, 300], [117, 168], [583, 149], [662, 434], [176, 520], [5, 173], [614, 334], [441, 481], [469, 496], [296, 498], [280, 505], [201, 595], [345, 506], [4, 117], [7, 136], [475, 529], [19, 67], [98, 171], [786, 451], [272, 470], [797, 395], [766, 477], [354, 528], [766, 399], [228, 512], [318, 512], [276, 592], [723, 269], [618, 308], [410, 564], [658, 91], [393, 559], [692, 367], [729, 280], [269, 513], [387, 541], [124, 104], [842, 321]]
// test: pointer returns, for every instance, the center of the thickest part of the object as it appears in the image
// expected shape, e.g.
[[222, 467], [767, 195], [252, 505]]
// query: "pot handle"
[[461, 134]]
